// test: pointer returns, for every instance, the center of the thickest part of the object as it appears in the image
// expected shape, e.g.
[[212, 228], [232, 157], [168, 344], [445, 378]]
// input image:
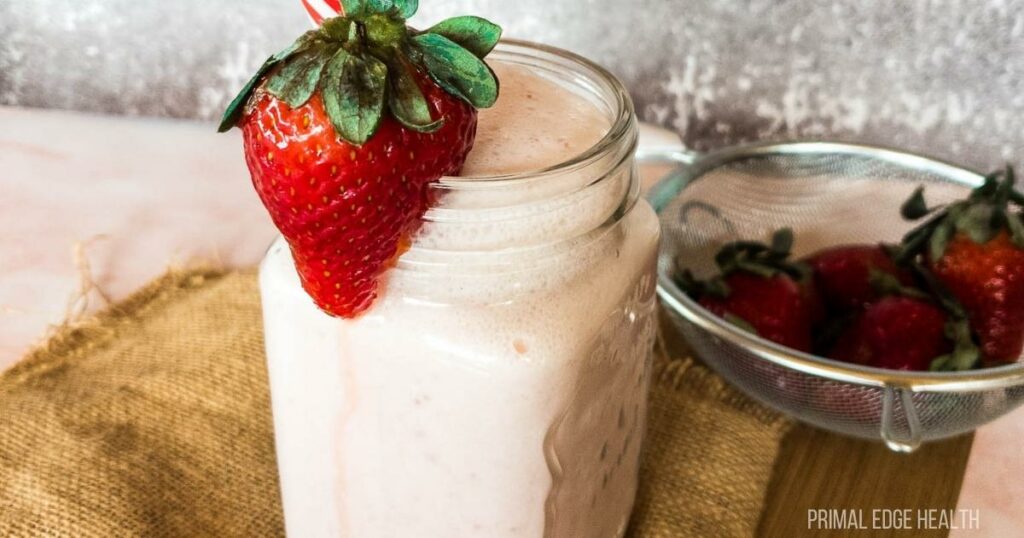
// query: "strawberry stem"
[[765, 260], [965, 354], [981, 216], [366, 64]]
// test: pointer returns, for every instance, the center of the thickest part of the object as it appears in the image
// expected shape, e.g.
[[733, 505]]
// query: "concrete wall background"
[[941, 76]]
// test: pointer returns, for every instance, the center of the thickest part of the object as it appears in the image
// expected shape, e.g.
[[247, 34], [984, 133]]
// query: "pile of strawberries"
[[949, 297]]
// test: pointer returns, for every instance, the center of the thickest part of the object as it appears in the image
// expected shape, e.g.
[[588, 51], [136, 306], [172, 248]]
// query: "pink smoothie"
[[497, 386]]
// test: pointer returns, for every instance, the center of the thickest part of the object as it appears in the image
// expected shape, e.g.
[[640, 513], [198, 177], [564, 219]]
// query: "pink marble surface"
[[141, 195], [992, 482]]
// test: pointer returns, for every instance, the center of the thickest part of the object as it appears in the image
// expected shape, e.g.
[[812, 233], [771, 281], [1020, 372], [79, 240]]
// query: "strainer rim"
[[677, 301]]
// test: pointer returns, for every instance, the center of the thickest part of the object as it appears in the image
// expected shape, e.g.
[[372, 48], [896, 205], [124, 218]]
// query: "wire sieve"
[[828, 193]]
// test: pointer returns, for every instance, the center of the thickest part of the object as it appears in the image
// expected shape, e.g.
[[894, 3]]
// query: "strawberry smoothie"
[[497, 385]]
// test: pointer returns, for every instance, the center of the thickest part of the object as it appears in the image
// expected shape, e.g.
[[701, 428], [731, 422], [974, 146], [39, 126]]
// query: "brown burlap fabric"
[[153, 419], [708, 458]]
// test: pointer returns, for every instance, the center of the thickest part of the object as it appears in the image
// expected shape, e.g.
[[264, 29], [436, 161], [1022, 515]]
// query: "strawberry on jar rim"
[[974, 248], [345, 130], [760, 290]]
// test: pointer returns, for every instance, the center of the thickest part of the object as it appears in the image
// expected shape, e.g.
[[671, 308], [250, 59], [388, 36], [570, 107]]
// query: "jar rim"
[[621, 126], [502, 212]]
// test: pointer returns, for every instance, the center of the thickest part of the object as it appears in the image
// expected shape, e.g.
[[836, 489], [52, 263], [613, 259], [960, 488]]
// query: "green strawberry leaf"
[[1014, 194], [403, 8], [297, 79], [380, 6], [406, 100], [457, 70], [915, 240], [965, 354], [1017, 197], [353, 92], [689, 283], [475, 34], [234, 110], [1004, 188], [797, 270], [739, 322], [939, 239], [915, 206], [756, 268], [305, 40], [718, 287], [695, 288], [887, 284], [1013, 222], [725, 258], [354, 8], [976, 222], [407, 8], [760, 259], [938, 291], [782, 241], [987, 188], [340, 29]]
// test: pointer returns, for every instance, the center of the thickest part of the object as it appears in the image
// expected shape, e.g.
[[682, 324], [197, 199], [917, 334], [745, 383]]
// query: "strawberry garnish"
[[760, 290], [974, 248], [345, 130]]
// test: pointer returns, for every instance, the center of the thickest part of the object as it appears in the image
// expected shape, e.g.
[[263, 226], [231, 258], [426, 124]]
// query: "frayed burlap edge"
[[76, 337], [106, 438]]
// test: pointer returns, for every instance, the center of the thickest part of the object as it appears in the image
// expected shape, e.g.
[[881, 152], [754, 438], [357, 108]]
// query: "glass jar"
[[497, 387]]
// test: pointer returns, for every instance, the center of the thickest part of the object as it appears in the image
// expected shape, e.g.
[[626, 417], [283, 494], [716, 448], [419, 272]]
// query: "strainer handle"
[[667, 155], [668, 187], [657, 144], [894, 439]]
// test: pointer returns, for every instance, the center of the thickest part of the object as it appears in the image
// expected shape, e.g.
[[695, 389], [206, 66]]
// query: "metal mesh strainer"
[[829, 194]]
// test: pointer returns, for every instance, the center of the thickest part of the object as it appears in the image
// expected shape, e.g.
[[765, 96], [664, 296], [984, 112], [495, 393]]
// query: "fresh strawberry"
[[975, 250], [345, 130], [775, 307], [760, 290], [988, 280], [901, 333], [845, 274], [346, 218]]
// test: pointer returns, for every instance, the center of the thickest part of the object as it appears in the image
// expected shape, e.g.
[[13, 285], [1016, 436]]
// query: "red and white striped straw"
[[318, 10]]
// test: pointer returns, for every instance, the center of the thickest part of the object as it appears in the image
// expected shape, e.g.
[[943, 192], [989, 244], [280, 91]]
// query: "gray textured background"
[[944, 77]]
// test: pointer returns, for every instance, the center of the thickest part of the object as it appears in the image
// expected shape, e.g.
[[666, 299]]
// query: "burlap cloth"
[[153, 419]]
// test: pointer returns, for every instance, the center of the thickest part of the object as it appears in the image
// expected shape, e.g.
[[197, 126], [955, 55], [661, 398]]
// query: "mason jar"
[[497, 387]]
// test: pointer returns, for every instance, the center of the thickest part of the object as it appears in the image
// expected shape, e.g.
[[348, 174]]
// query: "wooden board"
[[817, 469]]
